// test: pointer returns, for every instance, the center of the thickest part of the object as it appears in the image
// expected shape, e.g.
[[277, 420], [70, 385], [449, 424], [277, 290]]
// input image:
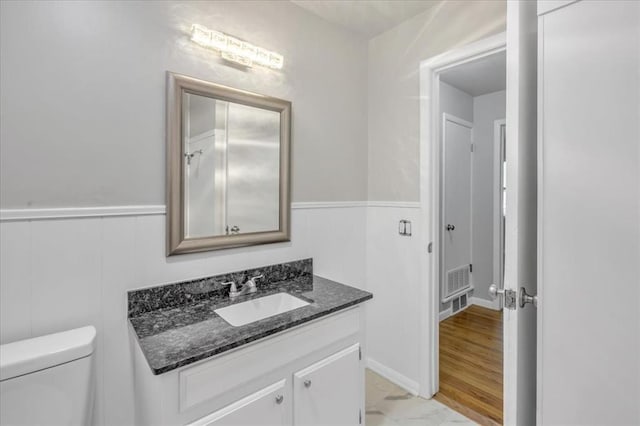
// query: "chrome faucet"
[[233, 290], [248, 287]]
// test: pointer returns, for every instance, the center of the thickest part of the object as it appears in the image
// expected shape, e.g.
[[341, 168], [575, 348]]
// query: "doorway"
[[472, 109], [520, 279]]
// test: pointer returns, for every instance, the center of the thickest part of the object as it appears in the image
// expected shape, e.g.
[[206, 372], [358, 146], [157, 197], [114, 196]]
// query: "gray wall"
[[394, 104], [486, 109], [83, 96], [455, 102]]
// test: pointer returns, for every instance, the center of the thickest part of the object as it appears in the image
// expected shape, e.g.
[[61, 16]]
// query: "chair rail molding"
[[11, 215], [16, 215]]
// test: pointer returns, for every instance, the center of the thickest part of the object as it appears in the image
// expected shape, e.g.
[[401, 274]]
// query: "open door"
[[521, 226], [589, 185]]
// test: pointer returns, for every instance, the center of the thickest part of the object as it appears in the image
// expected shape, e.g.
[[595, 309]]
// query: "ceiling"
[[366, 17], [485, 75]]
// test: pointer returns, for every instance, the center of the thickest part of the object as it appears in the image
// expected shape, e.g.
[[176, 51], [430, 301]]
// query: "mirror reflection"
[[228, 164], [231, 167]]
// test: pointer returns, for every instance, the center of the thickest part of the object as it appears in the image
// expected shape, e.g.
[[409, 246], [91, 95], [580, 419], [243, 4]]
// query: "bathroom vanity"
[[299, 367]]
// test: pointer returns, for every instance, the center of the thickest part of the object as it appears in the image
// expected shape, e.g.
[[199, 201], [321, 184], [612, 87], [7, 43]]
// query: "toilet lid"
[[31, 355]]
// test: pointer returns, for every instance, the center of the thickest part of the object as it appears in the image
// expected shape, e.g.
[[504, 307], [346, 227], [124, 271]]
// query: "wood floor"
[[471, 364]]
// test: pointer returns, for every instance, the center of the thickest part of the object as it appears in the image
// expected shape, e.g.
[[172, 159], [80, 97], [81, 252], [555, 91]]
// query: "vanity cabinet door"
[[269, 406], [329, 392]]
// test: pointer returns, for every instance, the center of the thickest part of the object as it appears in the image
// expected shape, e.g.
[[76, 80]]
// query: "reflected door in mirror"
[[232, 167]]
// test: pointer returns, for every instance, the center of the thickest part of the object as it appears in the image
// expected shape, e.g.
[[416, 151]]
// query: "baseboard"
[[495, 304], [404, 382], [446, 313]]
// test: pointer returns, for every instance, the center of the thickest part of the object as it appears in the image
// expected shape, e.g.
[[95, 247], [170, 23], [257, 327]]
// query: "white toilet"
[[48, 380]]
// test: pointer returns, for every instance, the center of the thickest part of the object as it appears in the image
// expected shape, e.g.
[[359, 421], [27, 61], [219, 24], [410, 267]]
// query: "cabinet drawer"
[[268, 406]]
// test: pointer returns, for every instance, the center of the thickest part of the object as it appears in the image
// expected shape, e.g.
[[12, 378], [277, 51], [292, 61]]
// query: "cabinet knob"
[[279, 399], [307, 383]]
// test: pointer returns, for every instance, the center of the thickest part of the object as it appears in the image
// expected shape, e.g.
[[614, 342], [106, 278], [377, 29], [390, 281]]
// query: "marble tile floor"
[[389, 405]]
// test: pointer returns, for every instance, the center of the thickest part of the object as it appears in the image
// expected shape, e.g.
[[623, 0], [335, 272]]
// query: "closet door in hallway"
[[456, 214]]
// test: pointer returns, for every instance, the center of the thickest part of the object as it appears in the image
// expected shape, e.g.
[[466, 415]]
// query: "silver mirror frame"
[[177, 243]]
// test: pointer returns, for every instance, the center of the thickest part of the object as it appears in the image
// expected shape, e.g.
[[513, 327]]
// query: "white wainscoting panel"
[[393, 276], [15, 291], [338, 237], [65, 281], [63, 273], [119, 274]]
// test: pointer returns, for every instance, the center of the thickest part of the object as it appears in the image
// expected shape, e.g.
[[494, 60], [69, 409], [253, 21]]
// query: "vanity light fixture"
[[235, 50]]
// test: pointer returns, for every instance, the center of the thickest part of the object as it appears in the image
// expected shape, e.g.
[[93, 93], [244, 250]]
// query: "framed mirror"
[[227, 167]]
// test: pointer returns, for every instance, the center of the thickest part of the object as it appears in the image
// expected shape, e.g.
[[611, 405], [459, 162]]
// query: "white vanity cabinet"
[[312, 374]]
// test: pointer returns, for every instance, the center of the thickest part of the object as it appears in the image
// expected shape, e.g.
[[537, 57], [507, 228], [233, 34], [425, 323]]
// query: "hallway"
[[471, 364]]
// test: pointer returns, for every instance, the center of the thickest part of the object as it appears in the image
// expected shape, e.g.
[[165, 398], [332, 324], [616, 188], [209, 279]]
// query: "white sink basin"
[[261, 308]]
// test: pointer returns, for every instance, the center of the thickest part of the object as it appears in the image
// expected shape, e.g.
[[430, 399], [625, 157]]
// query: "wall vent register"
[[459, 303], [458, 279]]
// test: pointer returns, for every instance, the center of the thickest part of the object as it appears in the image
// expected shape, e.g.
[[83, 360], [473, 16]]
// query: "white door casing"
[[430, 193], [520, 239], [456, 201], [589, 229]]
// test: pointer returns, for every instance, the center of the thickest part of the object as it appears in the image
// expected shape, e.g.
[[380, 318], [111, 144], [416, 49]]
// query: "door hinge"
[[510, 299], [471, 147], [360, 353], [360, 417], [471, 267]]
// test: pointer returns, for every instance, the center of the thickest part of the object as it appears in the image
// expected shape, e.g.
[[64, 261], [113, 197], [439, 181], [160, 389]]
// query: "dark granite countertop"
[[174, 337]]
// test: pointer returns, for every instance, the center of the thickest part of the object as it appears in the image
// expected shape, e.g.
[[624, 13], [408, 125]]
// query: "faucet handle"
[[233, 290], [251, 284]]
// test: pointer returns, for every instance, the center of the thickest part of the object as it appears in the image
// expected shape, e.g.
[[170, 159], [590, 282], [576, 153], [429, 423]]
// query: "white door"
[[328, 392], [590, 214], [269, 407], [521, 224], [456, 190]]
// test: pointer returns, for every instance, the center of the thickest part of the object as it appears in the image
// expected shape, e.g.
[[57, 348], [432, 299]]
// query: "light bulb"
[[234, 45], [200, 35], [276, 61], [218, 40]]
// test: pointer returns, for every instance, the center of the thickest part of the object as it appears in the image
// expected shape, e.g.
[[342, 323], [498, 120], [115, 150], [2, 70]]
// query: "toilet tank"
[[48, 380]]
